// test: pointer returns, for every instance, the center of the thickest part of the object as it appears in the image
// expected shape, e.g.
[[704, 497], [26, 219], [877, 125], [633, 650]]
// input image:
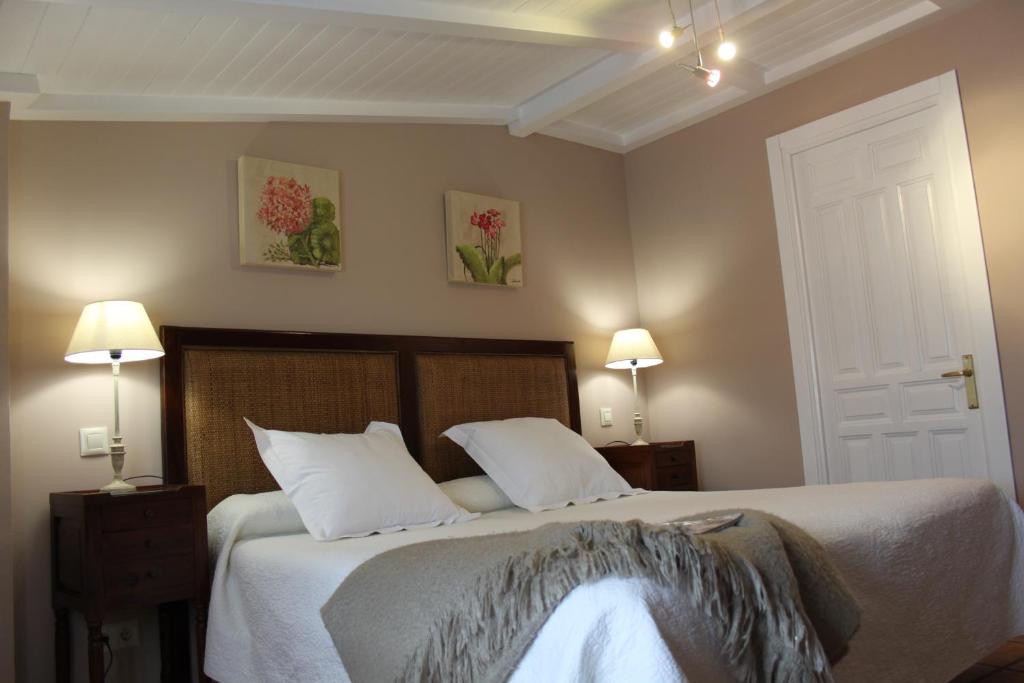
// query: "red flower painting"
[[287, 206], [484, 262]]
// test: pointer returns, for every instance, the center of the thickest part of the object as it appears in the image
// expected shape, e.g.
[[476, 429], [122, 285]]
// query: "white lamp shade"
[[107, 326], [632, 347]]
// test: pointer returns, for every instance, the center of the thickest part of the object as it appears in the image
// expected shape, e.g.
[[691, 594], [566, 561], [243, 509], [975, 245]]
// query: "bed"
[[935, 565]]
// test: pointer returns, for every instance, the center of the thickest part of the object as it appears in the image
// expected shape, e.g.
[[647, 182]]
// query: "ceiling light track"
[[726, 48]]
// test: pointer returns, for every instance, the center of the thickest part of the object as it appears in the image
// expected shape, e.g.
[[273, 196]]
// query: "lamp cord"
[[144, 476], [106, 643]]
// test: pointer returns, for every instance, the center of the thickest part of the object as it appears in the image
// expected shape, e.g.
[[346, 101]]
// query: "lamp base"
[[118, 486], [638, 425]]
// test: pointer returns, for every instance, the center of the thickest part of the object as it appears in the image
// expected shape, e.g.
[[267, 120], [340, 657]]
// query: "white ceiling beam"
[[174, 108], [738, 72], [694, 112], [586, 87], [412, 16], [618, 71]]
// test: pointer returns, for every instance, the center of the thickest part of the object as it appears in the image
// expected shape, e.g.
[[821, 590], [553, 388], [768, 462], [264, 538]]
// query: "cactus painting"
[[288, 215], [484, 240]]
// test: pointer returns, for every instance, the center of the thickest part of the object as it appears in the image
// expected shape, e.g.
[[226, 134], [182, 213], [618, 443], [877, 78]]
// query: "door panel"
[[887, 303]]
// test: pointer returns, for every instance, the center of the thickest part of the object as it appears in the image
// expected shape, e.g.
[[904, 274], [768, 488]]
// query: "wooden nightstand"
[[664, 466], [125, 552]]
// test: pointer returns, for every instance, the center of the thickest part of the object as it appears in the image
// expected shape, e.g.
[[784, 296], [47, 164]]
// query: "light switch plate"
[[93, 441], [606, 417]]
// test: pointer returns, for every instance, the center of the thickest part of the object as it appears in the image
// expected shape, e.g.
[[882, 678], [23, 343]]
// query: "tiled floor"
[[1005, 665]]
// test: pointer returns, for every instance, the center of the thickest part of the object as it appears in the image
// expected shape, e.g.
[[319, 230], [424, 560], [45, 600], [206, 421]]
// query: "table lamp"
[[633, 349], [114, 332]]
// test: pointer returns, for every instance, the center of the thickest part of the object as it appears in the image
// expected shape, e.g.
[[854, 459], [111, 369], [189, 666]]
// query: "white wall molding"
[[6, 539], [823, 56], [586, 135]]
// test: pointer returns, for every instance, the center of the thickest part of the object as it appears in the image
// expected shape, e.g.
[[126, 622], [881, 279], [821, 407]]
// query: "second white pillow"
[[476, 494], [347, 485], [540, 463]]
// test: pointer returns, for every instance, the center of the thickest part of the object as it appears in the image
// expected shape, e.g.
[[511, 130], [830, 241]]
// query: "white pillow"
[[540, 463], [476, 494], [251, 515], [347, 485]]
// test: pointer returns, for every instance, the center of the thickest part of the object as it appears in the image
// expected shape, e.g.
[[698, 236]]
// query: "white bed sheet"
[[936, 567]]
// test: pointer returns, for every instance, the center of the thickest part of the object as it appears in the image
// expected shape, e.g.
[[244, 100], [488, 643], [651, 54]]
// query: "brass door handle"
[[970, 383]]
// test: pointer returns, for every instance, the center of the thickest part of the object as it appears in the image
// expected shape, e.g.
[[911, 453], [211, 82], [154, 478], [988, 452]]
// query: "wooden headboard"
[[326, 382]]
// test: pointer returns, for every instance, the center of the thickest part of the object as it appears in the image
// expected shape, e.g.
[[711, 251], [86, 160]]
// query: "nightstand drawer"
[[669, 456], [123, 553], [665, 465], [143, 577], [146, 514], [677, 478], [153, 542]]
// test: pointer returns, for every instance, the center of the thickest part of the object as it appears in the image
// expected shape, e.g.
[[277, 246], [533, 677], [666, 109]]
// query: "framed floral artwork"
[[484, 240], [288, 215]]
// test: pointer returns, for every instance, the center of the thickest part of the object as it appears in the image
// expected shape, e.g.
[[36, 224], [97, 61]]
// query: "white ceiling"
[[584, 70]]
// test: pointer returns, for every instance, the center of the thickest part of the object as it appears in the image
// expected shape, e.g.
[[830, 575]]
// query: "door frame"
[[942, 92]]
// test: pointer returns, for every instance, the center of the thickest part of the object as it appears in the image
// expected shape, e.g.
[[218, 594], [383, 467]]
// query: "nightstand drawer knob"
[[149, 513], [148, 544], [153, 574]]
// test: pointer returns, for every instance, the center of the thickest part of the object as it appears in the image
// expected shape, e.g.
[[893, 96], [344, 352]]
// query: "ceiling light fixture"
[[711, 77], [668, 37], [726, 48]]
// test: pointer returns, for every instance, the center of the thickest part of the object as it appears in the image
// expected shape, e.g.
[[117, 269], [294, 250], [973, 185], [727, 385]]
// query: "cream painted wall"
[[148, 212], [6, 548], [709, 279]]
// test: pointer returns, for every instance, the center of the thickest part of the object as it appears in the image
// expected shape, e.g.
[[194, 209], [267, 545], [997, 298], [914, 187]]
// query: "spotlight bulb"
[[667, 38], [711, 77], [726, 50]]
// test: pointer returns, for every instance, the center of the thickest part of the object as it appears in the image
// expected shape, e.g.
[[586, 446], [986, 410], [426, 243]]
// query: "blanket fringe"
[[745, 613]]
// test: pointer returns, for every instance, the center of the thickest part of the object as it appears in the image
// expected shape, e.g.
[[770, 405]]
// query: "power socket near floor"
[[122, 634]]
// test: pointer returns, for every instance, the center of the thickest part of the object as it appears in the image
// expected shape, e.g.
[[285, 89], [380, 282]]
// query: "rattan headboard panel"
[[457, 388], [329, 382], [307, 391]]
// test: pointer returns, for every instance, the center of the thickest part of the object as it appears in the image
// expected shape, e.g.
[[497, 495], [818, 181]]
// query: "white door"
[[887, 292]]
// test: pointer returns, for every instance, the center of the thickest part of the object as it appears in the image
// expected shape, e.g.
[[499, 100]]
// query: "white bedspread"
[[936, 566]]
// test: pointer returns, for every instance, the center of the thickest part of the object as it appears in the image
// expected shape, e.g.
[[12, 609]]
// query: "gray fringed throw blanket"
[[467, 609]]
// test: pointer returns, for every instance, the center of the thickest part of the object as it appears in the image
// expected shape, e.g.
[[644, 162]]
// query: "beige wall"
[[709, 279], [148, 212], [6, 587]]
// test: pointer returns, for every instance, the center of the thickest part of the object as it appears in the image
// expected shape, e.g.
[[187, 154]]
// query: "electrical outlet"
[[606, 417], [122, 634]]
